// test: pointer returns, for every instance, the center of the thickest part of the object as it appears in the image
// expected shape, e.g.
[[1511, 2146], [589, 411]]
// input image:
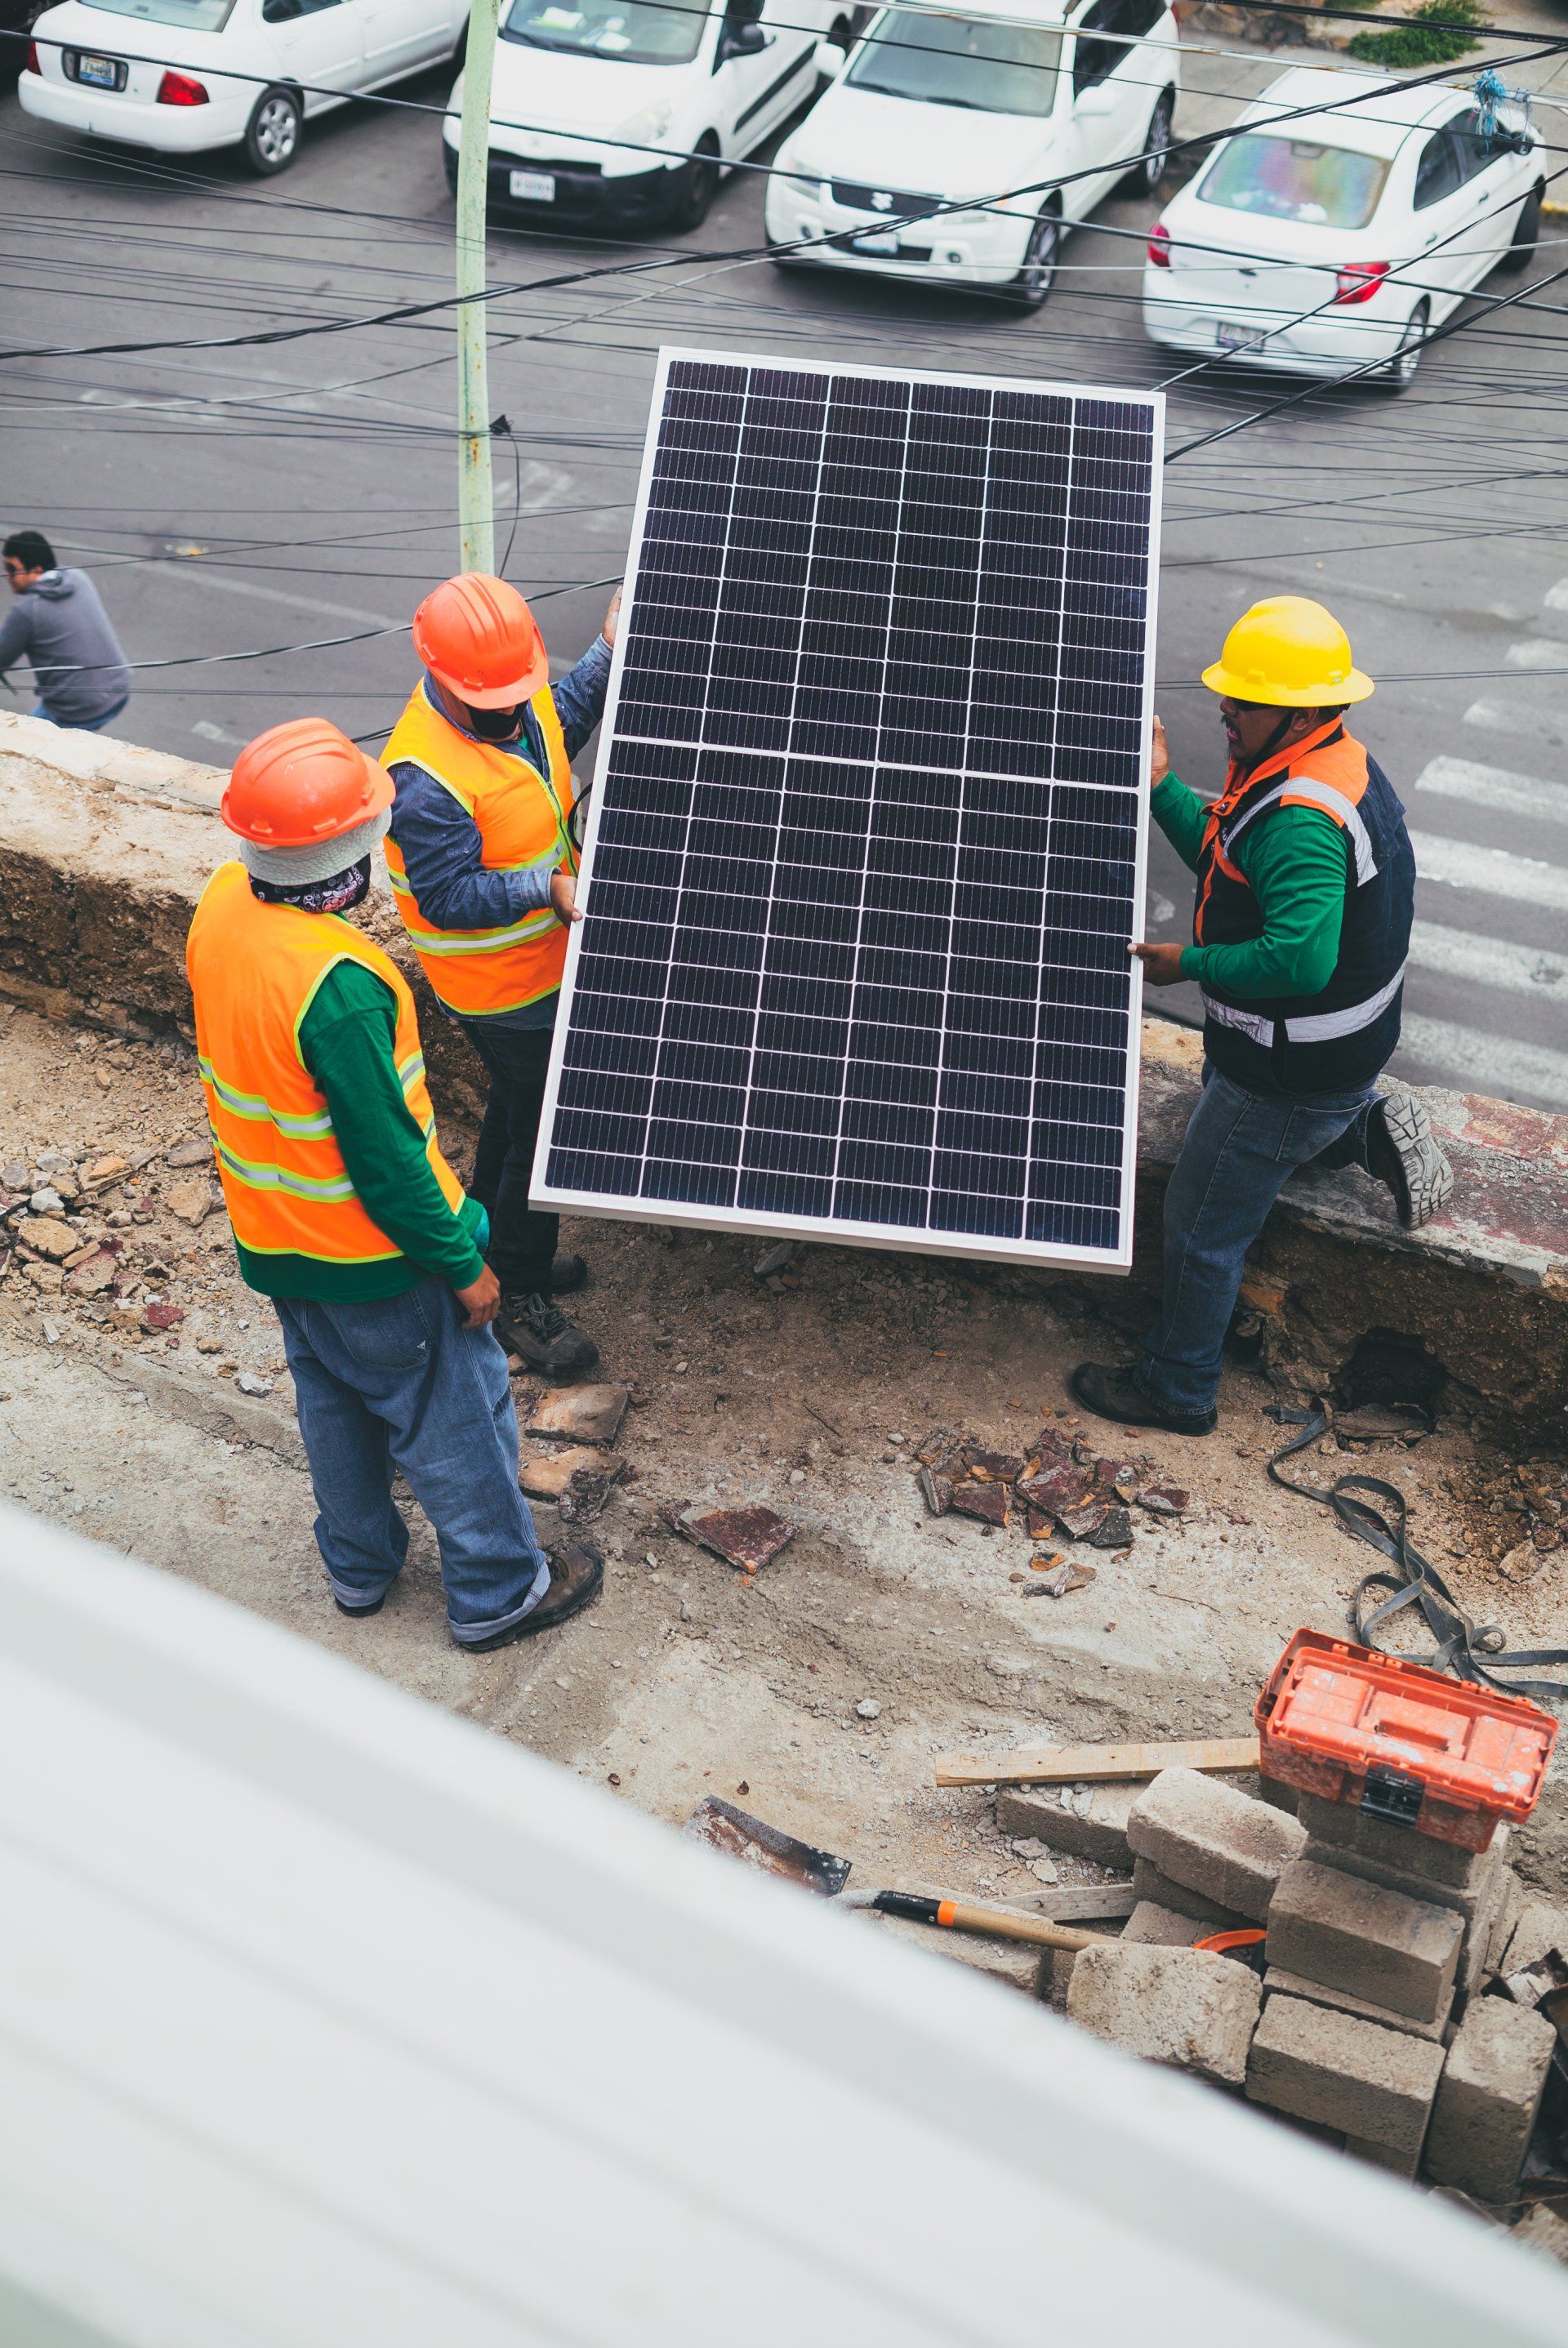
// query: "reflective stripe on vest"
[[522, 818], [1318, 1027], [254, 972], [1306, 790]]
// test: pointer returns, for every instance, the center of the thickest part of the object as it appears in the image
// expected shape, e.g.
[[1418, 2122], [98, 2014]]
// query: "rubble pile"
[[1060, 1488], [1403, 2011]]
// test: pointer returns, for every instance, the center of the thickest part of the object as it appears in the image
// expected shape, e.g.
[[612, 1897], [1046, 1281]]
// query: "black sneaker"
[[577, 1577], [1402, 1151], [357, 1613], [568, 1271], [540, 1335], [1112, 1393]]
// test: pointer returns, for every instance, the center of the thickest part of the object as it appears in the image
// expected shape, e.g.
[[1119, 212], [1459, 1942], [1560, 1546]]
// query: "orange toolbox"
[[1442, 1756]]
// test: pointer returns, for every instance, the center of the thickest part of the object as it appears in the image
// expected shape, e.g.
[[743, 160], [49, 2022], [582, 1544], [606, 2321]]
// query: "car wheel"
[[1041, 255], [843, 38], [271, 134], [697, 185], [1401, 372], [1146, 174], [1526, 235]]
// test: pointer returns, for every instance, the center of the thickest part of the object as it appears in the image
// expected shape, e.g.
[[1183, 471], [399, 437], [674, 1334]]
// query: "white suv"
[[626, 112], [933, 112]]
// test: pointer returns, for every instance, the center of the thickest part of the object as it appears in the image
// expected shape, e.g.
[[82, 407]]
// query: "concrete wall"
[[104, 849]]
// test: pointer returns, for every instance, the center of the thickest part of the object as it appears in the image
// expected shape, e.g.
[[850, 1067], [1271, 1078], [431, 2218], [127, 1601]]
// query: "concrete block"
[[1401, 2161], [1376, 2085], [1465, 1899], [1296, 1986], [1374, 1944], [1509, 1914], [1213, 1840], [1279, 1797], [1151, 1882], [1177, 2006], [1090, 1826], [1540, 1927], [1487, 2098], [1399, 1848], [1161, 1928], [1543, 2230], [1481, 1928]]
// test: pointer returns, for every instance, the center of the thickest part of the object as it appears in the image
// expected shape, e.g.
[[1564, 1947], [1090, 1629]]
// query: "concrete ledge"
[[104, 848]]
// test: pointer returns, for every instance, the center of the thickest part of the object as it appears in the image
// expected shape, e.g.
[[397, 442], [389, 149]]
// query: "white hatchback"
[[625, 113], [1321, 244], [183, 76], [959, 148]]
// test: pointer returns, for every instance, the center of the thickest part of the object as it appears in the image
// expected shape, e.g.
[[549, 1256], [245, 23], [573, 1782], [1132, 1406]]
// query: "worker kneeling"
[[344, 1212], [1306, 893]]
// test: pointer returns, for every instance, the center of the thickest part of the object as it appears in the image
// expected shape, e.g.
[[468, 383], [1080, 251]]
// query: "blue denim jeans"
[[402, 1382], [82, 725], [1240, 1148]]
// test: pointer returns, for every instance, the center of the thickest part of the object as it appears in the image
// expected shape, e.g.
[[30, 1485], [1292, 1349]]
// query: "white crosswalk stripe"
[[1538, 651], [1459, 864], [1495, 788], [1513, 718], [1488, 961], [1491, 1064], [1556, 598]]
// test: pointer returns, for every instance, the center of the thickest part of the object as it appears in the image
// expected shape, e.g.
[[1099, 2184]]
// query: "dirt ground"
[[808, 1391]]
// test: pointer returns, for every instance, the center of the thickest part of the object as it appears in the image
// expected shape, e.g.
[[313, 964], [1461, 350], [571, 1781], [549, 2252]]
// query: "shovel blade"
[[740, 1836]]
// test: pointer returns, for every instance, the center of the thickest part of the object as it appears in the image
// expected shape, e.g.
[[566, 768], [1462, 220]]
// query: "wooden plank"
[[1091, 1763], [1082, 1905]]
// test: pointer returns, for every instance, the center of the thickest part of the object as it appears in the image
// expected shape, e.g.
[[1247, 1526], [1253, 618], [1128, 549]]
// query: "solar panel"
[[867, 843]]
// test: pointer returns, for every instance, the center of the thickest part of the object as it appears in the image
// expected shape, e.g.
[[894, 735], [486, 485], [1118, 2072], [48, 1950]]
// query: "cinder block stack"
[[1370, 2027]]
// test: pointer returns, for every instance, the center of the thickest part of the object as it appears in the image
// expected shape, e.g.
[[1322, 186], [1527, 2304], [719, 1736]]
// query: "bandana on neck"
[[337, 895]]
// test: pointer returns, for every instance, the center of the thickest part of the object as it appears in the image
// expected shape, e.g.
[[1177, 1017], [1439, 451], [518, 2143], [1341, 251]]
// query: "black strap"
[[1460, 1643]]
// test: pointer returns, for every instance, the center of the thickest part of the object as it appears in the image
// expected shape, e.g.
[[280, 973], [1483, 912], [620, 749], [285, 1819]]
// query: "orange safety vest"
[[254, 970], [522, 821]]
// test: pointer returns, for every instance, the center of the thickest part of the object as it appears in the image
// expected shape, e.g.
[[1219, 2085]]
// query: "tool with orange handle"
[[959, 1917]]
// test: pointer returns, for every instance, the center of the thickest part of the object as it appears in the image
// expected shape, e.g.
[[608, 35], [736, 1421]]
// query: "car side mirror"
[[743, 39], [831, 60], [1096, 99]]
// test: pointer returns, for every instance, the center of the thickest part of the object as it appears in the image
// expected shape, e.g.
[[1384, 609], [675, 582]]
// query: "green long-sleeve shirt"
[[1295, 865], [346, 1040]]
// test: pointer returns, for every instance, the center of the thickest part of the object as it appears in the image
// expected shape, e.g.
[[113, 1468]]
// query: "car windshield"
[[190, 15], [1296, 180], [997, 68], [632, 31]]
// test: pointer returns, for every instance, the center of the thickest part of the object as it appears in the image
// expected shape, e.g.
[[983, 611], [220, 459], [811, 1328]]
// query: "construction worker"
[[1306, 892], [345, 1213], [484, 867]]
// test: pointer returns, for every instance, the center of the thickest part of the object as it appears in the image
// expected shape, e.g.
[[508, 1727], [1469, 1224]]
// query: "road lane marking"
[[202, 574], [1488, 961], [1509, 718], [1556, 598], [1495, 1063], [1458, 864], [1539, 651], [1494, 787]]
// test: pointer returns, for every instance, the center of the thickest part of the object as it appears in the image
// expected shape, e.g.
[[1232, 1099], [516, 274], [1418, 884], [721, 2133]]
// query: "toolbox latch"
[[1392, 1795]]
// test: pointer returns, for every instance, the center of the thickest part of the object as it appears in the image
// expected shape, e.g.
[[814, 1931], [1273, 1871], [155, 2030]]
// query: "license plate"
[[102, 72], [533, 187], [876, 241], [1239, 339]]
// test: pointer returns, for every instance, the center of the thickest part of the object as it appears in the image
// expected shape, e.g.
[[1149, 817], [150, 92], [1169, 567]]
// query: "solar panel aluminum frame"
[[900, 1237]]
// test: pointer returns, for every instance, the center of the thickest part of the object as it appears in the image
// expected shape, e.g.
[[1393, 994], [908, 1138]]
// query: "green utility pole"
[[476, 495]]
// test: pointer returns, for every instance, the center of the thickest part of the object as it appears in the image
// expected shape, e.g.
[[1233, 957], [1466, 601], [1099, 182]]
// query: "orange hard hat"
[[300, 784], [478, 637]]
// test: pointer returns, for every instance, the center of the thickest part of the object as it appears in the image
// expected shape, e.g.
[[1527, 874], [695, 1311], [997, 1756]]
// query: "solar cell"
[[867, 843]]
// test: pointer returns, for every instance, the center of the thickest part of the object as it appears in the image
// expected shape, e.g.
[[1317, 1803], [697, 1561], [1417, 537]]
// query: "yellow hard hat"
[[1290, 653]]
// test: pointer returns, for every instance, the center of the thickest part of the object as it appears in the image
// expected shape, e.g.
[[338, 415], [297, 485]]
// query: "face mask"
[[340, 894], [497, 725]]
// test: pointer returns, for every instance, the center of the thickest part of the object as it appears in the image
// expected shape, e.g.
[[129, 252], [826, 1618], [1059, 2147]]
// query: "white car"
[[627, 112], [933, 112], [183, 76], [1320, 244]]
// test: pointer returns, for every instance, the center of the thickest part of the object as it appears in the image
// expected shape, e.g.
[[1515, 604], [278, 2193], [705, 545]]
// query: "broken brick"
[[993, 1467], [1164, 1499], [1065, 1486], [547, 1476], [1081, 1523], [936, 1491], [987, 1501], [747, 1538], [1115, 1532], [590, 1414]]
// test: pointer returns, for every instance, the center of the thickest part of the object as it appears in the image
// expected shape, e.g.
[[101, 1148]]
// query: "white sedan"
[[959, 148], [1321, 244], [184, 76]]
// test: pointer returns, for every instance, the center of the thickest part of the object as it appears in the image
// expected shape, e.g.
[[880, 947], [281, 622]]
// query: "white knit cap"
[[300, 868]]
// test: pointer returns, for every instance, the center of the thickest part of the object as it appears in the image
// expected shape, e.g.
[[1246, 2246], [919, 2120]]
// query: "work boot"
[[568, 1271], [540, 1335], [358, 1613], [577, 1577], [1402, 1151], [1114, 1393]]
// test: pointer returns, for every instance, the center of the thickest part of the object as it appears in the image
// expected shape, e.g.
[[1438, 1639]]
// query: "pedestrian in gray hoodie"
[[59, 620]]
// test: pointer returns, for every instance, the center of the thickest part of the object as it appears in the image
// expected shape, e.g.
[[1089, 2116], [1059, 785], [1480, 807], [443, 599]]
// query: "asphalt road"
[[234, 502]]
